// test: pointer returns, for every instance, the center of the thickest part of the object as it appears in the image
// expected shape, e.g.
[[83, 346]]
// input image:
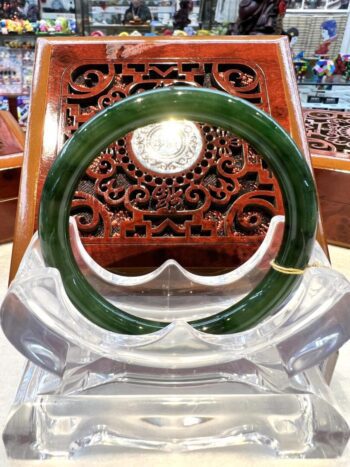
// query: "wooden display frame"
[[56, 64]]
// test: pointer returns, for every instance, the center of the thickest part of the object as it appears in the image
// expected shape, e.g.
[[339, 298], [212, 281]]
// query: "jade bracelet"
[[213, 107]]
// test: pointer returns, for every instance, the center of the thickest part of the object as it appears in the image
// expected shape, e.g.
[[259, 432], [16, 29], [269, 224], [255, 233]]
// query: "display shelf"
[[16, 69], [339, 94], [307, 105], [121, 27], [34, 35], [324, 92], [332, 81]]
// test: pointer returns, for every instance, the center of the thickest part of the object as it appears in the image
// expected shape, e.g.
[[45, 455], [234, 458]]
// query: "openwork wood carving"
[[328, 133], [217, 189], [215, 228]]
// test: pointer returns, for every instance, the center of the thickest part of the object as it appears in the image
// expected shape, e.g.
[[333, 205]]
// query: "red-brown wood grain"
[[11, 135], [74, 79], [328, 134], [11, 157]]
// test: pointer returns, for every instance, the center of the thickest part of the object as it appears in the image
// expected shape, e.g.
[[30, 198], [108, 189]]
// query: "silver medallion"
[[167, 147]]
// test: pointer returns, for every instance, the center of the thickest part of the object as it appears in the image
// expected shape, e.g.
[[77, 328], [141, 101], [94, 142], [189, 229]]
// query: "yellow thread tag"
[[293, 271], [284, 270]]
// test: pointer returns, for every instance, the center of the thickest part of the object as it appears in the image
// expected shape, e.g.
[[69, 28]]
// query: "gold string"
[[294, 271]]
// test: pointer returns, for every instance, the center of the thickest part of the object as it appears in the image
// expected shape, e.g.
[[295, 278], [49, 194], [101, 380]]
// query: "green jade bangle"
[[201, 105]]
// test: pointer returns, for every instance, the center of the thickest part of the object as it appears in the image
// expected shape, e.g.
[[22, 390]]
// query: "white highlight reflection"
[[167, 147]]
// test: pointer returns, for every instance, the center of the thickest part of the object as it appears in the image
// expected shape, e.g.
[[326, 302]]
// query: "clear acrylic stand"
[[178, 389]]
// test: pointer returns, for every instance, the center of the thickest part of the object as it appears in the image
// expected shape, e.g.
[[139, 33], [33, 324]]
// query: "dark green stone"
[[201, 105]]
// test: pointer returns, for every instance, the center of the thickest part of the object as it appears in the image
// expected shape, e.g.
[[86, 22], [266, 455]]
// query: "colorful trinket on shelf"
[[301, 66], [347, 70], [339, 64], [62, 25], [27, 26], [190, 31], [97, 34], [323, 68], [204, 32], [3, 26], [179, 33]]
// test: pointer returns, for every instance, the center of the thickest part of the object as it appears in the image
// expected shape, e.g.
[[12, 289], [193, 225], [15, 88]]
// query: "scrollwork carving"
[[216, 190], [86, 82], [91, 215], [328, 133]]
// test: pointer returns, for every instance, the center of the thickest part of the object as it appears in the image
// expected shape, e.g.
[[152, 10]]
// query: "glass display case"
[[112, 12], [16, 69], [318, 5], [109, 16], [20, 24]]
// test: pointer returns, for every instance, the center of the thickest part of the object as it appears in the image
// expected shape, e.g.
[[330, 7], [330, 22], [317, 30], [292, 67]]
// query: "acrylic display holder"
[[178, 389], [171, 360]]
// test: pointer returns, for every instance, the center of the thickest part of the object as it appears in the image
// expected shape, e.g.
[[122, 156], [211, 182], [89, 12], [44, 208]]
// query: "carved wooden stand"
[[214, 212], [328, 135]]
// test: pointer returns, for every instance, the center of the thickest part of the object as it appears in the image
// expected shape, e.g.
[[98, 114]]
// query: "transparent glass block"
[[177, 389]]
